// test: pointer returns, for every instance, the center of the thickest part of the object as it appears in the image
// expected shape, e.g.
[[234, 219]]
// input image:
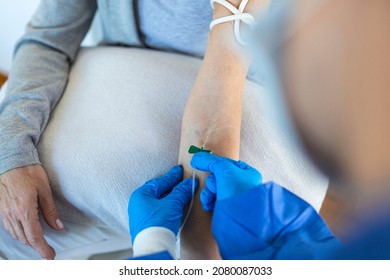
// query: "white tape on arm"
[[154, 240], [238, 17]]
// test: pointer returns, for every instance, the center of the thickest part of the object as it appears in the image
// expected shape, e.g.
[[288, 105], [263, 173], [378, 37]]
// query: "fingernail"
[[59, 224]]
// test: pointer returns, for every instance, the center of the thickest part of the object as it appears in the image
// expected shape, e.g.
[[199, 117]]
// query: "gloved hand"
[[228, 178], [160, 202], [259, 221]]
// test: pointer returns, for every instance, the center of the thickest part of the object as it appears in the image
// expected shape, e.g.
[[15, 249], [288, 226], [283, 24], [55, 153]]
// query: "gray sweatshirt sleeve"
[[39, 75]]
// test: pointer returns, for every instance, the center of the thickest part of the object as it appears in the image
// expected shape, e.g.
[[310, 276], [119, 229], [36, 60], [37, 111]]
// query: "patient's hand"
[[22, 192]]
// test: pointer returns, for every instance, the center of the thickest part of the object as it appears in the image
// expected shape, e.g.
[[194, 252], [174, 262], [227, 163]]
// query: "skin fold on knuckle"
[[51, 213]]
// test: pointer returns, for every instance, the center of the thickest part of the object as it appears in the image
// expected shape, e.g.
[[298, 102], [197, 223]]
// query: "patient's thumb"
[[49, 211]]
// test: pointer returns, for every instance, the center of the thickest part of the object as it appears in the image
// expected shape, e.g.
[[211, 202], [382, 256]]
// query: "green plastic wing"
[[193, 150]]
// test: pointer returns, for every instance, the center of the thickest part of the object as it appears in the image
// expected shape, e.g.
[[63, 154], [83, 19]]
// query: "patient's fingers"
[[160, 186], [48, 208], [19, 232], [22, 190], [34, 235]]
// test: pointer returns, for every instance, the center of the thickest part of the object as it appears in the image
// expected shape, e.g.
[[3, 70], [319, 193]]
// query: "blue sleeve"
[[371, 241], [269, 222], [158, 256]]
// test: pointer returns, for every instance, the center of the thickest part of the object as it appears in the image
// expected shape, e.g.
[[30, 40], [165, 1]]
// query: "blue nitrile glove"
[[259, 221], [160, 202], [228, 178]]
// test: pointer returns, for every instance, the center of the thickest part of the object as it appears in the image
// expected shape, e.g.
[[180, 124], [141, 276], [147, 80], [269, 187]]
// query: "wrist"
[[154, 240]]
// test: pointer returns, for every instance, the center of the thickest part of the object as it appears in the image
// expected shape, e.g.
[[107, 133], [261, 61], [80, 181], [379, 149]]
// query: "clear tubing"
[[191, 203]]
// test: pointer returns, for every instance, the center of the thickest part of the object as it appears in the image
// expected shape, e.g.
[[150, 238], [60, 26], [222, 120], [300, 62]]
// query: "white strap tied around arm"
[[237, 17]]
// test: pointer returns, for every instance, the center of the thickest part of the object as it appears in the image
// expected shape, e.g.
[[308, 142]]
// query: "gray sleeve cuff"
[[19, 160]]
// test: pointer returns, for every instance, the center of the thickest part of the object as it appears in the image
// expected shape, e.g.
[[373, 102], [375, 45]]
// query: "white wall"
[[14, 15]]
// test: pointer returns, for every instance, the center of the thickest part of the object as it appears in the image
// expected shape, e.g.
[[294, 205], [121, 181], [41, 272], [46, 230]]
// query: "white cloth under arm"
[[154, 240], [76, 241]]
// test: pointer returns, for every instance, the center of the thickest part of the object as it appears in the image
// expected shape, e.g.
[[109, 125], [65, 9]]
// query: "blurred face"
[[330, 61], [312, 75], [335, 76]]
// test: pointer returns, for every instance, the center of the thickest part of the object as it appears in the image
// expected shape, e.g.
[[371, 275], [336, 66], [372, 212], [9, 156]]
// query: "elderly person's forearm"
[[213, 113]]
